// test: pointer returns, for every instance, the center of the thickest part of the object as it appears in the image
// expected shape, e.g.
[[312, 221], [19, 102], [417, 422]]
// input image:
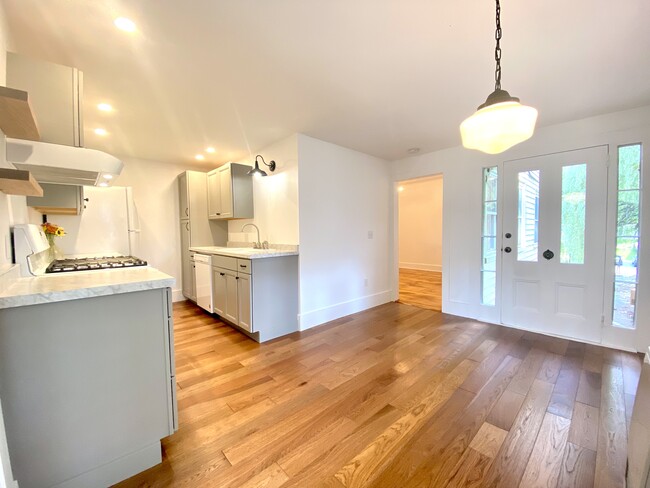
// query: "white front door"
[[553, 243]]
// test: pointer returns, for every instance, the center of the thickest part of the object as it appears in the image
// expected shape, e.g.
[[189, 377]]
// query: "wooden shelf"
[[19, 182], [16, 118]]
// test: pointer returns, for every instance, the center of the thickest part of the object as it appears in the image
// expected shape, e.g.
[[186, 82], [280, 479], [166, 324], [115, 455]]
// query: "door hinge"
[[602, 319]]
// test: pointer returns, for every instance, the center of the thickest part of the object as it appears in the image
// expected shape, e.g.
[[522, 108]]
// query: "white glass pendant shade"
[[497, 127]]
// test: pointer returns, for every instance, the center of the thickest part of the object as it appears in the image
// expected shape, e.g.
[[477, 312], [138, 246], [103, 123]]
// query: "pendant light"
[[501, 122]]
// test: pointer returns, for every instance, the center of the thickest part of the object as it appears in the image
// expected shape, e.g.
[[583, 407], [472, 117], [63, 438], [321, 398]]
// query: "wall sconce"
[[256, 171]]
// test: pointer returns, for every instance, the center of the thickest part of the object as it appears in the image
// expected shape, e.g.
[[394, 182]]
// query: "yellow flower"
[[60, 232]]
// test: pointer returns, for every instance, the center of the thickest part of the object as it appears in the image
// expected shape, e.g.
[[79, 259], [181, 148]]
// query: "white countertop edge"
[[33, 290], [253, 254]]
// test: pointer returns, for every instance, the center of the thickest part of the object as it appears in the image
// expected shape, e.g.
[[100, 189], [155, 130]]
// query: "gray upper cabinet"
[[55, 95], [59, 200], [230, 192]]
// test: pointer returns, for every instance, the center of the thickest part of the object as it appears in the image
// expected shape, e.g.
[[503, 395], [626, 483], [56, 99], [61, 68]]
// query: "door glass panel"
[[488, 240], [629, 163], [488, 287], [528, 216], [626, 276], [624, 304], [489, 253], [574, 190], [628, 213], [490, 219]]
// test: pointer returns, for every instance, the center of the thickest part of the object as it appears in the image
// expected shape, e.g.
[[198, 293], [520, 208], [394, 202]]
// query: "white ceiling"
[[379, 76]]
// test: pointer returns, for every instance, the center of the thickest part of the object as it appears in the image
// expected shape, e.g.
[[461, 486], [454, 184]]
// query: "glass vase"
[[54, 251]]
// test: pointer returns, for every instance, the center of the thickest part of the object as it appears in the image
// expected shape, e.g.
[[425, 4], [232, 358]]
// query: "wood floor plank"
[[612, 438], [543, 469], [488, 440], [512, 460], [505, 411], [528, 371], [564, 393], [584, 426], [550, 369], [589, 388], [578, 467]]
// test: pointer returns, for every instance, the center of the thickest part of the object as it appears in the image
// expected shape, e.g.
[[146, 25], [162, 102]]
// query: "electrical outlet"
[[370, 234]]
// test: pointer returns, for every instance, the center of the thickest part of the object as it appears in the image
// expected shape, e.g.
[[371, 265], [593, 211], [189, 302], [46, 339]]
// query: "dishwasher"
[[203, 265]]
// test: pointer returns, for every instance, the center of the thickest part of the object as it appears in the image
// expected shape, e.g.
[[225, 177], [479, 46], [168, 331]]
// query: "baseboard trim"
[[117, 470], [422, 266], [177, 296], [326, 314]]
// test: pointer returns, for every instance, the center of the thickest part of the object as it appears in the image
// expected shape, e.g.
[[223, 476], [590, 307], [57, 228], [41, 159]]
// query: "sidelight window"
[[626, 264], [489, 237]]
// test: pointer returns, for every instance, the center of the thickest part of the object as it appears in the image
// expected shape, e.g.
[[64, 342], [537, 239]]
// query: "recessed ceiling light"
[[210, 150], [105, 107], [125, 24], [107, 176], [199, 157], [401, 188], [103, 183], [413, 150], [101, 132]]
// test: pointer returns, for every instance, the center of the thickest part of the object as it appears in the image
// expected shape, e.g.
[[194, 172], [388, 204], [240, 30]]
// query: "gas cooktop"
[[90, 264]]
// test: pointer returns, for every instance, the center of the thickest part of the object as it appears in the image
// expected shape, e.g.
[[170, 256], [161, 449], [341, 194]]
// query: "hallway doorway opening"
[[420, 242]]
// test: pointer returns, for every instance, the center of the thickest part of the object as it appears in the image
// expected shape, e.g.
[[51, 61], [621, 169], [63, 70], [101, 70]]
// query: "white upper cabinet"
[[230, 192], [55, 95]]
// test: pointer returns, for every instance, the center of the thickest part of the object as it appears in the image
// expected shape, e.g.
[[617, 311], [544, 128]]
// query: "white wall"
[[420, 224], [155, 191], [461, 170], [275, 197], [344, 196]]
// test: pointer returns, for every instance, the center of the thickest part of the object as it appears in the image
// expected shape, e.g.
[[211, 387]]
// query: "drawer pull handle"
[[222, 274], [242, 266]]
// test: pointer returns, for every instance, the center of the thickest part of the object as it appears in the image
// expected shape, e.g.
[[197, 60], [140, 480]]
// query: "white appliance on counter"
[[109, 225], [203, 264], [638, 448], [29, 242]]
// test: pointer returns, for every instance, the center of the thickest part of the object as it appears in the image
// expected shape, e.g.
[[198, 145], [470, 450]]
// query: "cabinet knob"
[[236, 277], [222, 274]]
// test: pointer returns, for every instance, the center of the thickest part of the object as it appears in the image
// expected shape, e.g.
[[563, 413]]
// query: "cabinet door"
[[232, 312], [225, 183], [219, 291], [244, 301], [186, 264], [184, 205], [214, 195]]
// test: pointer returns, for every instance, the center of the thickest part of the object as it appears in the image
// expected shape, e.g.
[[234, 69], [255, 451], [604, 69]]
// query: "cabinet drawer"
[[224, 262], [244, 266]]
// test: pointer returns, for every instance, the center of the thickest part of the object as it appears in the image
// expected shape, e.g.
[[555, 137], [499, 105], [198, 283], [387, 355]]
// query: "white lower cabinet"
[[232, 296], [259, 296]]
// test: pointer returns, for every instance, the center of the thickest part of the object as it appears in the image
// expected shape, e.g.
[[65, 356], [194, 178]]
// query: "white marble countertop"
[[244, 252], [48, 288]]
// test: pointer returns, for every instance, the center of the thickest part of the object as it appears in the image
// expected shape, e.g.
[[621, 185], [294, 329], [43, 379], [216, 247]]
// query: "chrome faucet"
[[258, 244]]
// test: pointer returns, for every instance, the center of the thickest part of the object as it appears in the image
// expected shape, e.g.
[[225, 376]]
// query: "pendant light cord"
[[497, 49]]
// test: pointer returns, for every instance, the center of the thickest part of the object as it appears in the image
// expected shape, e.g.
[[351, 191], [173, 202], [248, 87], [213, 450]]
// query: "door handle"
[[507, 249], [548, 254]]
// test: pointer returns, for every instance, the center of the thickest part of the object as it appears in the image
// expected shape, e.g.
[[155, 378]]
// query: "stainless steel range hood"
[[54, 163]]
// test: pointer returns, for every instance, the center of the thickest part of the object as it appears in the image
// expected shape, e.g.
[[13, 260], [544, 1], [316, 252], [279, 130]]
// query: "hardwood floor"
[[421, 288], [396, 396]]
